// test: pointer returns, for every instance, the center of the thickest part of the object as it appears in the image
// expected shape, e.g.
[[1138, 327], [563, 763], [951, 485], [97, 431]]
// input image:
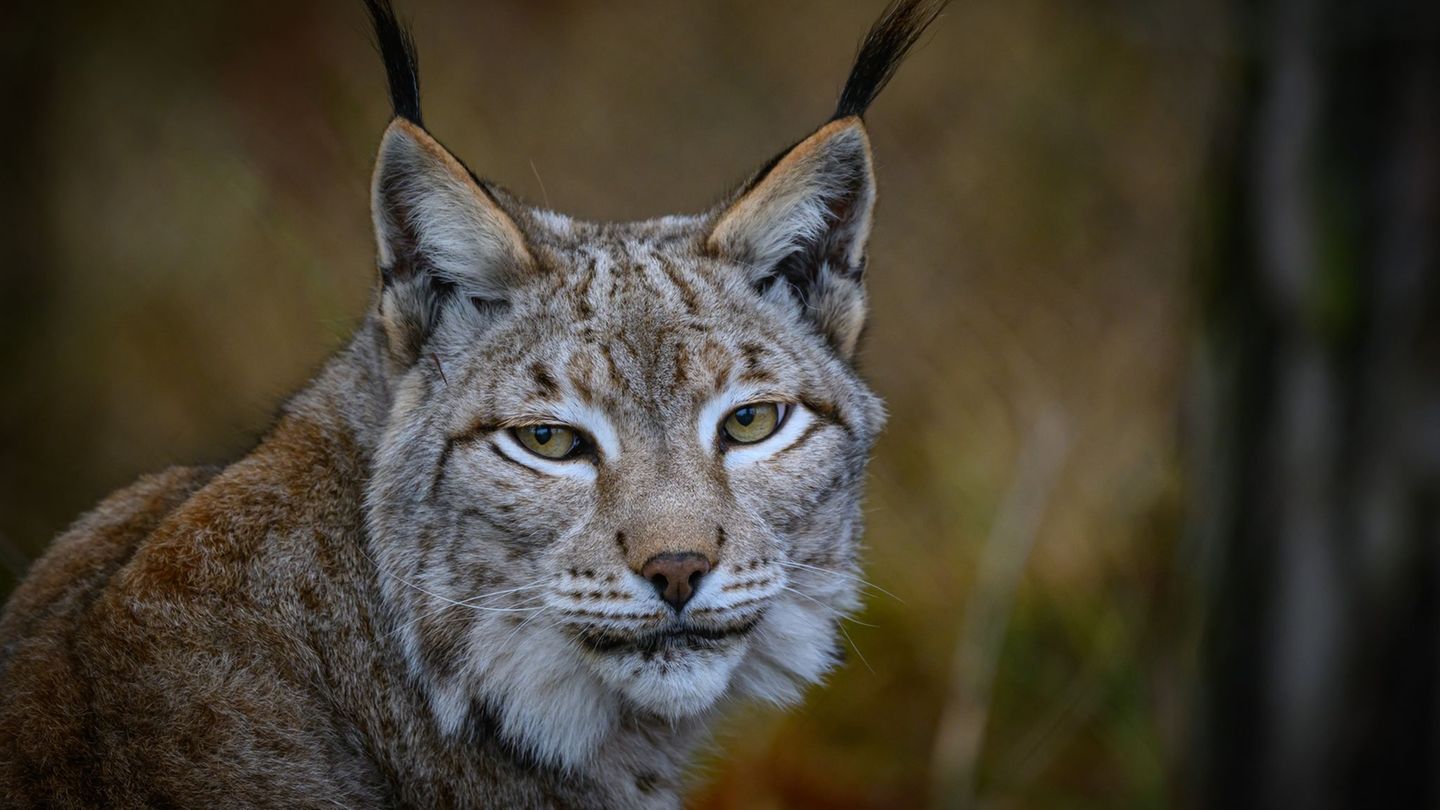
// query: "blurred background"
[[1155, 309]]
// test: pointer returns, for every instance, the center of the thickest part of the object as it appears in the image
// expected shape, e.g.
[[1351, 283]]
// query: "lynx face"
[[621, 474], [531, 582]]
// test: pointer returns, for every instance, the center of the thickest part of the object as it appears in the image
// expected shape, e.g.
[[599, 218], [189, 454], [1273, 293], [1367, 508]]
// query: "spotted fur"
[[391, 602]]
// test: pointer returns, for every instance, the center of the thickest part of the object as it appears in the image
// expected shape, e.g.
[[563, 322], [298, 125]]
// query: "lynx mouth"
[[676, 638]]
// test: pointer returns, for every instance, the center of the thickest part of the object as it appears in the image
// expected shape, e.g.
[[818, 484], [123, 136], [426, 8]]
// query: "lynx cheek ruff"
[[570, 488]]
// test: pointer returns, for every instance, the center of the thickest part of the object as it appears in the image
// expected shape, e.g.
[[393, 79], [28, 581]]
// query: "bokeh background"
[[1068, 209]]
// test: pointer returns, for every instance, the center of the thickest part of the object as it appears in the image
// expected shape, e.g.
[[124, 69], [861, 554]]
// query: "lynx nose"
[[676, 576]]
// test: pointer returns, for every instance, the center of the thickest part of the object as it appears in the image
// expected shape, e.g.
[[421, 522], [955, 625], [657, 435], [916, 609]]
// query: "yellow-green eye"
[[548, 441], [751, 423]]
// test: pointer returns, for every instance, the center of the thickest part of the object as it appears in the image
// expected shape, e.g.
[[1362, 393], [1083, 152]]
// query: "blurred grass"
[[188, 191]]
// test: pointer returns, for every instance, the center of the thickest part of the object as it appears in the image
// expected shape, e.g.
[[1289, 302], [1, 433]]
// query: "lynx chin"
[[571, 490]]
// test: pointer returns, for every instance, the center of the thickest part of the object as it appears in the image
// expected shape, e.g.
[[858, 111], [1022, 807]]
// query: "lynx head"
[[622, 468]]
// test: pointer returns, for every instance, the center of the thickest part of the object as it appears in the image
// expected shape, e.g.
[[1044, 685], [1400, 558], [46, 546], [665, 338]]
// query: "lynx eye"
[[755, 422], [548, 441]]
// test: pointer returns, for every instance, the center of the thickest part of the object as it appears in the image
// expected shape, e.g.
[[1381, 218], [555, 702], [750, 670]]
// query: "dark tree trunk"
[[26, 75], [1317, 440]]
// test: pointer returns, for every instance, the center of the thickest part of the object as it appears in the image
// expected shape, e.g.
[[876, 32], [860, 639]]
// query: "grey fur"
[[388, 602]]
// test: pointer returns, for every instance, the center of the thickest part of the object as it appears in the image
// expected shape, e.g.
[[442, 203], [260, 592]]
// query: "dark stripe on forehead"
[[612, 368], [682, 367], [753, 371], [581, 385], [688, 296], [675, 239], [582, 291], [641, 278], [544, 383], [718, 360]]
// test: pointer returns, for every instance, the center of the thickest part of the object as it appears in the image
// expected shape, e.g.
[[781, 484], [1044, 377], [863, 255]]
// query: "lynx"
[[570, 491]]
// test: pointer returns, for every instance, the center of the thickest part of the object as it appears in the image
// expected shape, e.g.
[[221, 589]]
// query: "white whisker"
[[506, 643], [855, 647], [845, 575], [838, 624], [433, 595], [539, 583], [518, 607]]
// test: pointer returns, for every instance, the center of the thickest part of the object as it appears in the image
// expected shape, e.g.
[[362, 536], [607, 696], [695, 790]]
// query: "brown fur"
[[347, 615], [206, 639]]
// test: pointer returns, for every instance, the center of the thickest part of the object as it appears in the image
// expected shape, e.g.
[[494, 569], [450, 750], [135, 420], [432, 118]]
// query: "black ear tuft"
[[882, 51], [402, 66]]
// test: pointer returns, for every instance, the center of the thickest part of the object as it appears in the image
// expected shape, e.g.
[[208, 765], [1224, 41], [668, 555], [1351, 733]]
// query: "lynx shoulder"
[[571, 489]]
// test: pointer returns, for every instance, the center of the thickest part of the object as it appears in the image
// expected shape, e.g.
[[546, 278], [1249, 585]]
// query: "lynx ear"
[[441, 237], [802, 224]]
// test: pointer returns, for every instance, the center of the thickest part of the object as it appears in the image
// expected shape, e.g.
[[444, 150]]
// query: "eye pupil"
[[549, 441], [748, 424]]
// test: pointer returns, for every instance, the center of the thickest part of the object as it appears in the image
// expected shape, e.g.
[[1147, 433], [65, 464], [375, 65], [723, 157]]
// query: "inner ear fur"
[[803, 224], [442, 239]]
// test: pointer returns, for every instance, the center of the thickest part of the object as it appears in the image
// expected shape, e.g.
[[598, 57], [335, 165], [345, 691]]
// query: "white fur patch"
[[554, 221], [594, 422], [796, 421], [791, 648], [547, 700], [673, 683], [718, 407]]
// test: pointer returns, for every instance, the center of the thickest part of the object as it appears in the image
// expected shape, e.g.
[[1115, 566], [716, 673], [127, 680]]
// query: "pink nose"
[[676, 576]]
